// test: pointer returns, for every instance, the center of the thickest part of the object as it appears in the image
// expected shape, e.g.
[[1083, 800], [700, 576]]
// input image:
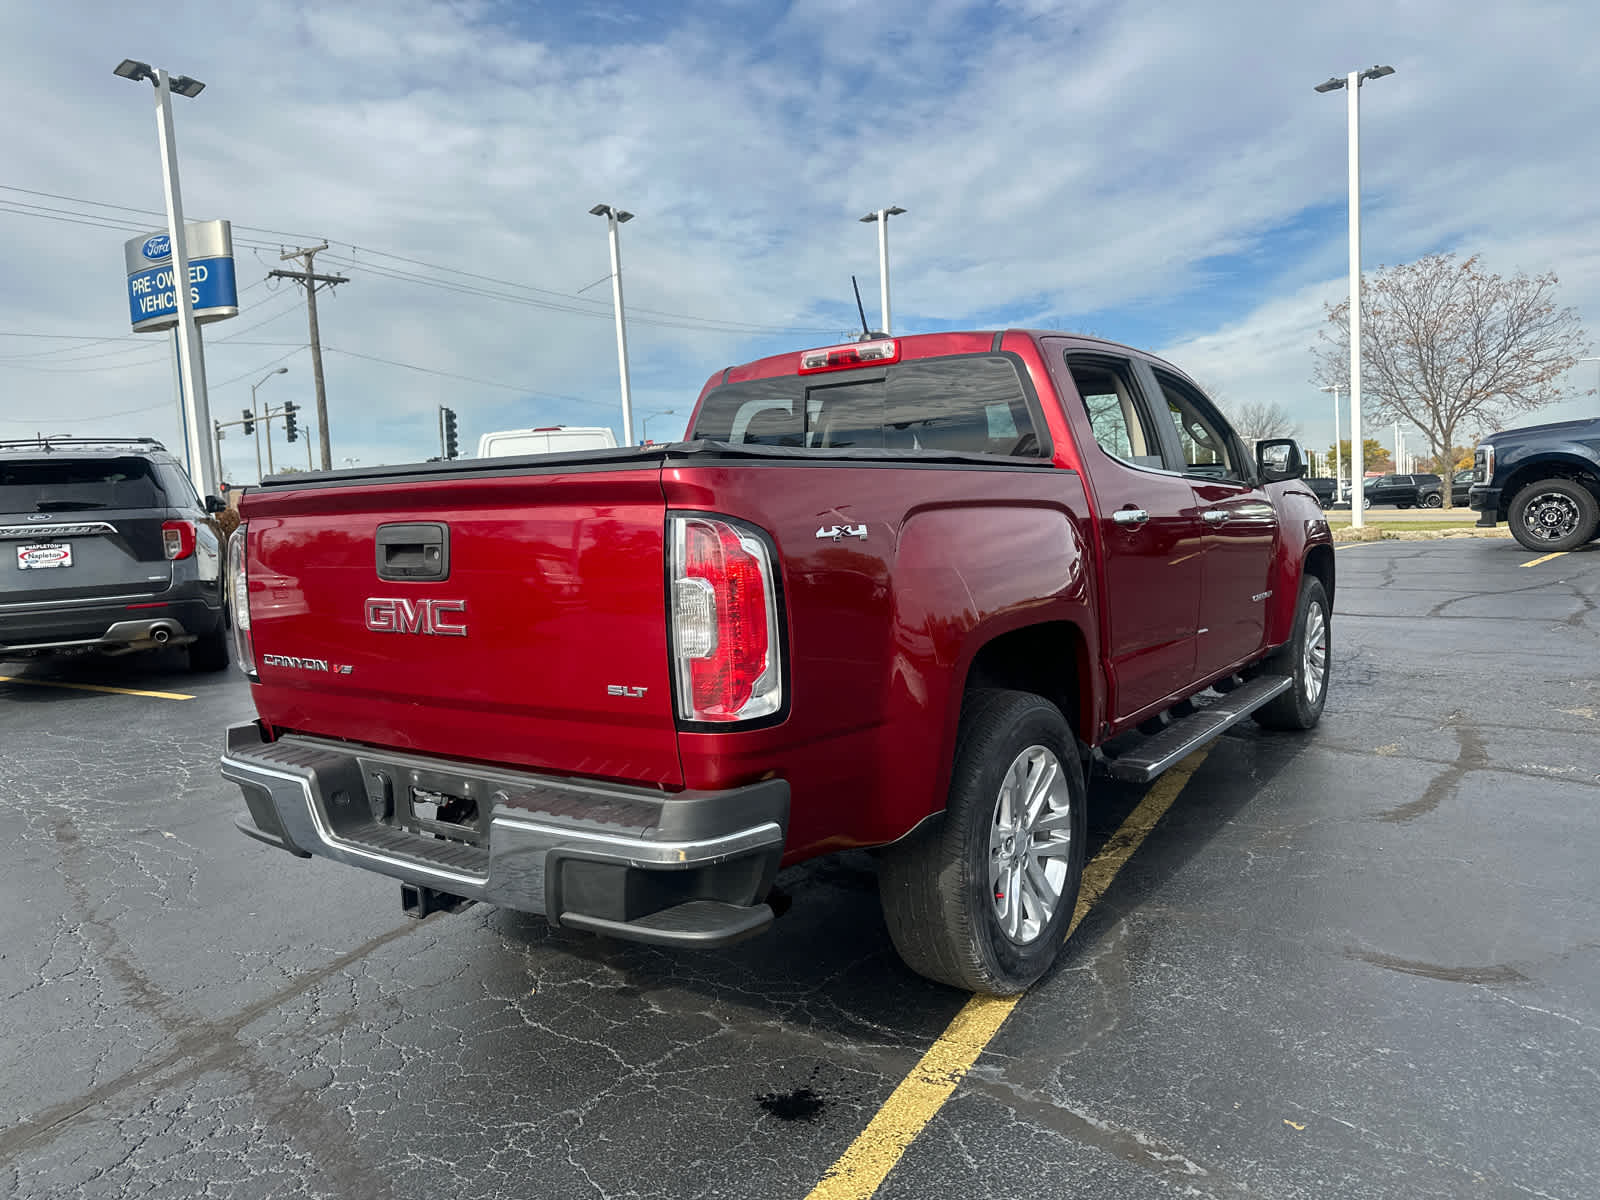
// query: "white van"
[[545, 440]]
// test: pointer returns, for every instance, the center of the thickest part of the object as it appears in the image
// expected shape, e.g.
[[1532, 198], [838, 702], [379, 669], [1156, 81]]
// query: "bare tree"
[[1447, 346], [1262, 419]]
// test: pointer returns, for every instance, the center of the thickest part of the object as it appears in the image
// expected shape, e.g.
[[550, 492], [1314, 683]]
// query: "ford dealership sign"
[[213, 290]]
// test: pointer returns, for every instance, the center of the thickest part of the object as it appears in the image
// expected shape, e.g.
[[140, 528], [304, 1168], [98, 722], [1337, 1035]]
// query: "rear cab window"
[[969, 404], [62, 484]]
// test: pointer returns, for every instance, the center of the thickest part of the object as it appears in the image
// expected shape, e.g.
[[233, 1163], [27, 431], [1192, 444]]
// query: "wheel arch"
[[1050, 659], [1319, 563], [1549, 466]]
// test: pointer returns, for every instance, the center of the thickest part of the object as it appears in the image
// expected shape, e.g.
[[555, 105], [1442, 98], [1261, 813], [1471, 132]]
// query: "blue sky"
[[1158, 173]]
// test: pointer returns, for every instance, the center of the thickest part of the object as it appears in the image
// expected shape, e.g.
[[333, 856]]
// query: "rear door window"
[[59, 485], [972, 404], [1115, 414]]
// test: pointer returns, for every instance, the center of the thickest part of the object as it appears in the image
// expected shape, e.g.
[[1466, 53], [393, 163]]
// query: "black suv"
[[1544, 481], [105, 546], [1404, 491]]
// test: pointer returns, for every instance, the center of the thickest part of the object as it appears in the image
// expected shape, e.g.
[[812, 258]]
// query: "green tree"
[[1376, 456]]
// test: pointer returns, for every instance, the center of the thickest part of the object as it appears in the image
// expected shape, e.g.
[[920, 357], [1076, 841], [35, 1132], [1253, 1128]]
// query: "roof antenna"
[[866, 334]]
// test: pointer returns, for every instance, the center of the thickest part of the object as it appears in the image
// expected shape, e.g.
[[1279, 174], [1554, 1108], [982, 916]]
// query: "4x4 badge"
[[837, 532]]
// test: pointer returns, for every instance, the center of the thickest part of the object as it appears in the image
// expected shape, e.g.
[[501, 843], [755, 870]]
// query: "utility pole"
[[217, 426], [310, 278]]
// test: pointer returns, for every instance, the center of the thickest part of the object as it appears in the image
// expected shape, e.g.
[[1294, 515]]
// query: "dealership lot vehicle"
[[107, 549], [1011, 550], [1404, 491], [1542, 480], [1342, 965], [1324, 488], [550, 439]]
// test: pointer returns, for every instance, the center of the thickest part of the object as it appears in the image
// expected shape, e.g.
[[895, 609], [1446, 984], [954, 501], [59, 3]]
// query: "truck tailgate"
[[544, 645]]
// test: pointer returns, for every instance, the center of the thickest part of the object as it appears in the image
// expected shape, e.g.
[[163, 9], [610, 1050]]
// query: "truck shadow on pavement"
[[827, 964]]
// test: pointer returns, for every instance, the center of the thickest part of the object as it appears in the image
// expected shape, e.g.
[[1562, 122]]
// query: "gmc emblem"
[[415, 616]]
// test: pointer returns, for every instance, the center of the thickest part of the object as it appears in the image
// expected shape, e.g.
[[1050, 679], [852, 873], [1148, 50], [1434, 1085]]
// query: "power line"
[[271, 362], [510, 387], [563, 301], [144, 212], [601, 309]]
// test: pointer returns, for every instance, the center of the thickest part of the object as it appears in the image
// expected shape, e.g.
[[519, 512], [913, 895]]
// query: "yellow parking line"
[[862, 1168], [94, 687], [1534, 562]]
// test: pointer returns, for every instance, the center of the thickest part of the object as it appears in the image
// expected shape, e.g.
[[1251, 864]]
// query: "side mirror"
[[216, 504], [1278, 459]]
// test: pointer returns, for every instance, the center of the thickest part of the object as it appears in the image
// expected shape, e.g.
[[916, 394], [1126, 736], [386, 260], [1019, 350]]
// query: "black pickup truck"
[[1544, 481]]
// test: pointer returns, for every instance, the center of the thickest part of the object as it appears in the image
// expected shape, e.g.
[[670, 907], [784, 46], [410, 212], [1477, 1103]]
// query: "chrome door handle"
[[1215, 516], [1130, 516]]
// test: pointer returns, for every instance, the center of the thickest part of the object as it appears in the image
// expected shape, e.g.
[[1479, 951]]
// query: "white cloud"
[[1141, 165]]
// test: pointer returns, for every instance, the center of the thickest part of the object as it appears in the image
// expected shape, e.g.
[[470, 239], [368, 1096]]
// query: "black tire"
[[1301, 706], [1433, 500], [1402, 504], [1366, 502], [939, 898], [1553, 515], [209, 652]]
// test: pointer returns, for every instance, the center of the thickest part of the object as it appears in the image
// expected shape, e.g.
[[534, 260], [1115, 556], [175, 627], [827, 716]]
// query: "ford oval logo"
[[156, 247]]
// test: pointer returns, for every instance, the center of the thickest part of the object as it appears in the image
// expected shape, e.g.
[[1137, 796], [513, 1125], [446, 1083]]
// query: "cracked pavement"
[[1364, 962]]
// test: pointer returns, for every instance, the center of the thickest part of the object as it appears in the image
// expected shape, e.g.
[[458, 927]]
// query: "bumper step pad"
[[699, 923]]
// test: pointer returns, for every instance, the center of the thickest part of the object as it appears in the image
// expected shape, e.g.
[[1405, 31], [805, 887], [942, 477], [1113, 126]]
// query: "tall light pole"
[[881, 216], [1338, 450], [615, 217], [1352, 85], [665, 412], [191, 362], [259, 422]]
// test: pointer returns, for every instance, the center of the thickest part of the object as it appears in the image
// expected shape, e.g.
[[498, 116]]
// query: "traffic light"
[[291, 423], [450, 447], [249, 423]]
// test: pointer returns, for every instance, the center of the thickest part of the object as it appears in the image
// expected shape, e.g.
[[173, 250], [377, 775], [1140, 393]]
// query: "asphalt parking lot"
[[1360, 962]]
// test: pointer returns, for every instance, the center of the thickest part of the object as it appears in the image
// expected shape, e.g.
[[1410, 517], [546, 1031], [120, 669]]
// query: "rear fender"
[[1021, 567]]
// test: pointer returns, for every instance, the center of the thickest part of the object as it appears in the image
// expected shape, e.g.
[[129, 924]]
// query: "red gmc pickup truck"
[[900, 593]]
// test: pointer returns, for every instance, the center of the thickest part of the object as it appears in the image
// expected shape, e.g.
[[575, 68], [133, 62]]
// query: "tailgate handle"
[[413, 551]]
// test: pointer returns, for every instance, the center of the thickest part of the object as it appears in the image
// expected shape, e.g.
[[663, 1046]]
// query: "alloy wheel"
[[1551, 516], [1030, 839], [1314, 667]]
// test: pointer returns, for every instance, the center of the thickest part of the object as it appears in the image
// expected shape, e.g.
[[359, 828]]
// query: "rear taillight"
[[238, 584], [726, 648], [177, 539]]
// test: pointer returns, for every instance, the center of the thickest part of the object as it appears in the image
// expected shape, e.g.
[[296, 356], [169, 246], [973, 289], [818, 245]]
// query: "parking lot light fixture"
[[260, 422], [614, 218], [1351, 83], [204, 468], [1338, 451], [665, 412], [881, 216]]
